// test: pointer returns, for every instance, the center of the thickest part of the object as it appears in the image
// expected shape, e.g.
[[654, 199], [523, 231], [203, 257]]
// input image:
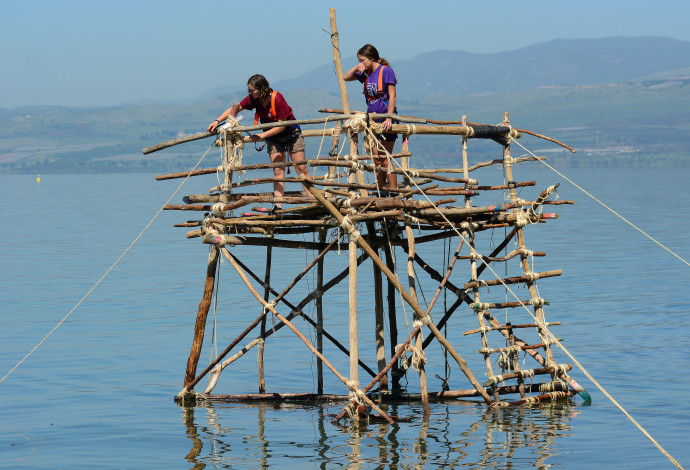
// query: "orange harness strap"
[[379, 89], [273, 108]]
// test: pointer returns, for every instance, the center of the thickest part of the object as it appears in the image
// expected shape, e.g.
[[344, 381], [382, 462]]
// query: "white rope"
[[110, 268]]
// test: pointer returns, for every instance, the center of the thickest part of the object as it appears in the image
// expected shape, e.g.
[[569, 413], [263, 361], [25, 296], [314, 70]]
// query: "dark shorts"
[[387, 137], [292, 144]]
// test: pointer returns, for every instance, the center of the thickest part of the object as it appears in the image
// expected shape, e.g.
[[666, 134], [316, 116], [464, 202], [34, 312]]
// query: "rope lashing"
[[505, 360], [474, 255], [233, 144], [547, 387], [466, 226], [354, 388], [355, 165], [350, 229], [532, 276], [411, 129], [219, 239], [493, 380], [317, 293], [417, 359], [269, 305], [558, 395], [526, 374], [538, 302], [217, 208], [410, 219], [479, 306]]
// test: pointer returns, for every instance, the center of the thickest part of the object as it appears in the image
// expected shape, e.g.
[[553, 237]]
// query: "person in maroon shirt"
[[270, 106]]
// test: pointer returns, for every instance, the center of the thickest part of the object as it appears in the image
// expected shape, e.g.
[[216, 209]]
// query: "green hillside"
[[640, 123]]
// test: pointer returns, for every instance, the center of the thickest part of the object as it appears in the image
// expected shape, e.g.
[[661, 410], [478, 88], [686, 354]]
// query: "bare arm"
[[351, 74], [265, 135], [392, 98], [231, 111]]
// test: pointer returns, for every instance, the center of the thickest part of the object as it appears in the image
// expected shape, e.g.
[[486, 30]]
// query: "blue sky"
[[94, 52]]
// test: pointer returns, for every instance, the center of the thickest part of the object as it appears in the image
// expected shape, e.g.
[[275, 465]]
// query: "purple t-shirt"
[[376, 103]]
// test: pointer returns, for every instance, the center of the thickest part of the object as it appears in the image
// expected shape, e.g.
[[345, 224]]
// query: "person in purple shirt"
[[379, 89]]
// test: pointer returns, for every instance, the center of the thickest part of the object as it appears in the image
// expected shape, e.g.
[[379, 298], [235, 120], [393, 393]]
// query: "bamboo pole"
[[353, 330], [335, 40], [413, 293], [319, 316], [262, 339], [396, 373], [391, 398], [415, 306], [200, 325], [379, 333], [512, 280]]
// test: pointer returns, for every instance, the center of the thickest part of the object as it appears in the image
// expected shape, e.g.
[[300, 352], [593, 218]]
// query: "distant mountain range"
[[561, 62], [624, 86]]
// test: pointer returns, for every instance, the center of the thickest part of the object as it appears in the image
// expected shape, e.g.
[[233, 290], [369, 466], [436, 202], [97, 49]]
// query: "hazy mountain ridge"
[[637, 99]]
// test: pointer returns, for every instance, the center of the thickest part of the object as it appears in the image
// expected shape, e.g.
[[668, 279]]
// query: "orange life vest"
[[273, 109]]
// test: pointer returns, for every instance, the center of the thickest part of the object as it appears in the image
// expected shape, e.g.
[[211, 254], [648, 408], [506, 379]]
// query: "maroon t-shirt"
[[283, 111]]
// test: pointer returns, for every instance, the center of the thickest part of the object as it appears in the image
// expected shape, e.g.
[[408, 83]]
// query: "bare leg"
[[382, 178], [301, 169], [278, 186]]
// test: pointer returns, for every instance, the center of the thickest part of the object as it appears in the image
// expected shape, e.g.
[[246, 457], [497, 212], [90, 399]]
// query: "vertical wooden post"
[[538, 311], [392, 318], [378, 317], [335, 40], [413, 292], [200, 325], [267, 292], [354, 339], [355, 176], [319, 318], [516, 363]]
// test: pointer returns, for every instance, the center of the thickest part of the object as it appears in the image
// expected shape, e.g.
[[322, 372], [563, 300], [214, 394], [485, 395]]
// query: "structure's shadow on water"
[[266, 434]]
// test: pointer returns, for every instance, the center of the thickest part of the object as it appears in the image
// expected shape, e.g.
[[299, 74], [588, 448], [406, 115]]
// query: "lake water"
[[99, 392]]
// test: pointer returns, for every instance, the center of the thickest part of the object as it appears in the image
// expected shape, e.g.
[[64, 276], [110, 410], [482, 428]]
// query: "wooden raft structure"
[[342, 206]]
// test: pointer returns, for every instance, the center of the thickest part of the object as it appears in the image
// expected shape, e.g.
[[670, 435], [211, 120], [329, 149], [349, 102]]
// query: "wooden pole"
[[413, 293], [354, 333], [379, 332], [396, 374], [200, 325], [319, 317], [335, 40], [262, 339]]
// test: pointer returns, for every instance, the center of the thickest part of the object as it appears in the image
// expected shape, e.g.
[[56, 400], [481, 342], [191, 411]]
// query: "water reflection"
[[263, 435]]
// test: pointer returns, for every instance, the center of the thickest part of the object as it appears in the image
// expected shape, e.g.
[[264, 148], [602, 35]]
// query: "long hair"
[[260, 83], [370, 52]]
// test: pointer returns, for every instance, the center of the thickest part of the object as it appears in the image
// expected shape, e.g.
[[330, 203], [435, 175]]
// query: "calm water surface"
[[99, 392]]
